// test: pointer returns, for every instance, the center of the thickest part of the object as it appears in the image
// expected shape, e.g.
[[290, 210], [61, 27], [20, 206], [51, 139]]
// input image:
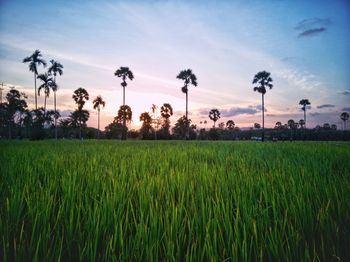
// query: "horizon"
[[304, 47]]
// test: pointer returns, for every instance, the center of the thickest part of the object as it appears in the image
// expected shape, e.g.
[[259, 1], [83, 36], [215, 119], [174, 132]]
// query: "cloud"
[[325, 106], [307, 24], [312, 32], [235, 111], [346, 109], [312, 27], [345, 92], [315, 114]]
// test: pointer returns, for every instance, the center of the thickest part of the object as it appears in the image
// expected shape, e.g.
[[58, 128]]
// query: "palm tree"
[[189, 79], [304, 103], [47, 84], [166, 111], [34, 60], [302, 123], [263, 80], [124, 112], [97, 103], [55, 68], [214, 115], [230, 124], [124, 73], [344, 116], [80, 96]]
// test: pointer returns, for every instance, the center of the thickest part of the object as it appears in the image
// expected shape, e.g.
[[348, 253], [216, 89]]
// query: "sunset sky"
[[304, 44]]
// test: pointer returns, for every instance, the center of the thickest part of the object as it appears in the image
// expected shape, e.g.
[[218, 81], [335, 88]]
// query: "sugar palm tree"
[[97, 103], [80, 116], [189, 79], [125, 73], [214, 115], [344, 116], [262, 80], [47, 84], [304, 103], [55, 68], [34, 60]]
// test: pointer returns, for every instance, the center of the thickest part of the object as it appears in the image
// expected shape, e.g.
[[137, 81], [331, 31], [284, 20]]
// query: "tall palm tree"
[[55, 68], [124, 73], [262, 80], [34, 60], [47, 84], [304, 103], [97, 103], [189, 79], [214, 115], [344, 116]]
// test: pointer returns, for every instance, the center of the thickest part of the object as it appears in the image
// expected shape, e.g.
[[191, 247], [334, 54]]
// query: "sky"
[[305, 45]]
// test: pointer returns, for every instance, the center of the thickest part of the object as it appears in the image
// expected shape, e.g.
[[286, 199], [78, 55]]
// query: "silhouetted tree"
[[146, 128], [47, 84], [79, 117], [304, 103], [55, 68], [257, 126], [214, 115], [334, 127], [97, 103], [166, 111], [124, 112], [189, 79], [34, 60], [278, 125], [15, 105], [230, 124], [181, 127], [302, 123], [262, 80], [221, 125], [344, 116], [124, 73]]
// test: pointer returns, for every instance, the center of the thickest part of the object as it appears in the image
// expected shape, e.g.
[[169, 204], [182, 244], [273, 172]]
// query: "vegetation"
[[189, 79], [124, 73], [262, 80], [166, 201], [55, 68], [98, 102], [34, 60], [304, 103]]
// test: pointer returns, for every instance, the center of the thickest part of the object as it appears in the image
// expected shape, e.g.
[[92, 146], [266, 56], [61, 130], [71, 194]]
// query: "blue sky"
[[304, 44]]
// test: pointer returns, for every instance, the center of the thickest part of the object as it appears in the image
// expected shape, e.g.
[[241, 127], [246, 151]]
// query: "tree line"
[[18, 121]]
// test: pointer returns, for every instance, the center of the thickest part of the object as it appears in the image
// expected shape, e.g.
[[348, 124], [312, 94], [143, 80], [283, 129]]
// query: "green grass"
[[174, 201]]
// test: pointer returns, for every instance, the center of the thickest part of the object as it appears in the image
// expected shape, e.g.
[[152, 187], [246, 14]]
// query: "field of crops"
[[174, 201]]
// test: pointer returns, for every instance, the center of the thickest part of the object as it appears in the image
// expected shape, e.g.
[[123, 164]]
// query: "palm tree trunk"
[[98, 124], [54, 97], [305, 117], [263, 120], [36, 102], [187, 123], [45, 103], [124, 120]]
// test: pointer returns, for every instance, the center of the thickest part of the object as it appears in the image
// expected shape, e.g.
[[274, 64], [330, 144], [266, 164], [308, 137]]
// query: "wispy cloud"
[[325, 106], [312, 27], [312, 32], [345, 92], [235, 111], [346, 109]]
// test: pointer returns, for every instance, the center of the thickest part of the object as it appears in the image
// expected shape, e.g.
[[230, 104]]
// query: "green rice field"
[[174, 201]]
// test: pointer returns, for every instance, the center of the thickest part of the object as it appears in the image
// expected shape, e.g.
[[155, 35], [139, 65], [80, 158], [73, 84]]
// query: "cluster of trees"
[[16, 120]]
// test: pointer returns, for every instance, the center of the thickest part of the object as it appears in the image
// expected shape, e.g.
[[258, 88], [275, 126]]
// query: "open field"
[[176, 200]]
